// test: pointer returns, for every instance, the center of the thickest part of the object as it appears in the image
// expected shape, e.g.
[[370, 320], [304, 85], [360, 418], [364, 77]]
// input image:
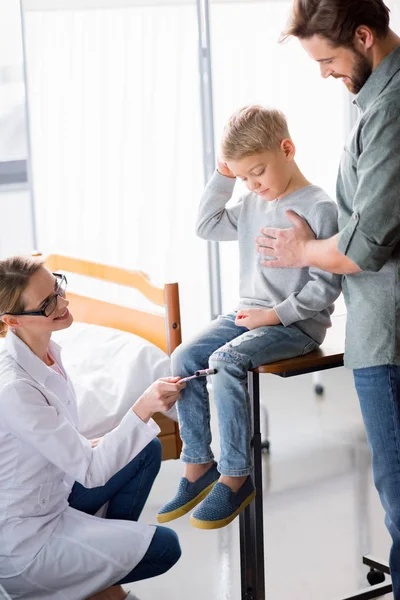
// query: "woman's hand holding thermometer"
[[197, 374]]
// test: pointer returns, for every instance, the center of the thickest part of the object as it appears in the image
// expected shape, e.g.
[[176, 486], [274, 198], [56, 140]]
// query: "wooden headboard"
[[163, 330]]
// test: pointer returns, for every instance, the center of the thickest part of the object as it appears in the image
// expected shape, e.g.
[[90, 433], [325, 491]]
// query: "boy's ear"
[[288, 148]]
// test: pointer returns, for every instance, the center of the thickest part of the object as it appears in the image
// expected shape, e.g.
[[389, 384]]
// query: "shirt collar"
[[378, 80], [31, 363]]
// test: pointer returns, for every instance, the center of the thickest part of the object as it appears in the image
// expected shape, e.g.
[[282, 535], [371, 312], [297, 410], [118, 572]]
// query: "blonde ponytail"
[[15, 273]]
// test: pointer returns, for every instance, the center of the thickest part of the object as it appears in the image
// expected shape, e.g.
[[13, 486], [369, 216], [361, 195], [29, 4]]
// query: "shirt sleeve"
[[323, 288], [26, 414], [215, 222], [373, 231]]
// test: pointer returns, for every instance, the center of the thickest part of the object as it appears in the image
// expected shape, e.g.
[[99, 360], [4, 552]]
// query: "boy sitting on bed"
[[282, 313]]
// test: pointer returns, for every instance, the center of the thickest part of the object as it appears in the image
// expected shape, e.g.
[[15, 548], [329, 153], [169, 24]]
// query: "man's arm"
[[324, 255], [297, 247]]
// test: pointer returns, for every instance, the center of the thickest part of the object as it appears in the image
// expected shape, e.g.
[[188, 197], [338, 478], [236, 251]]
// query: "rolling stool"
[[376, 578]]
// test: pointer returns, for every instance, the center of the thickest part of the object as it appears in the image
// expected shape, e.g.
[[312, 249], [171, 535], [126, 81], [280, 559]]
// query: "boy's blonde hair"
[[251, 130]]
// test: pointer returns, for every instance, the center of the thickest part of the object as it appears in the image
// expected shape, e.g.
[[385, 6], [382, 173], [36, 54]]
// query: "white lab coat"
[[48, 550]]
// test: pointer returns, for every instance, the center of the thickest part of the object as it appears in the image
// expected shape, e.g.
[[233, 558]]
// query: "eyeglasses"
[[49, 305]]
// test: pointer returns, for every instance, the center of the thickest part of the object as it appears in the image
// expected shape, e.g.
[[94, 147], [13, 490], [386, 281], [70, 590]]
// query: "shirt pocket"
[[43, 496], [28, 501]]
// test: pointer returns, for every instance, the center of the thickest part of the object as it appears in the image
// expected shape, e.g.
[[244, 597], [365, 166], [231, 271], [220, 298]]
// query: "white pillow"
[[110, 369]]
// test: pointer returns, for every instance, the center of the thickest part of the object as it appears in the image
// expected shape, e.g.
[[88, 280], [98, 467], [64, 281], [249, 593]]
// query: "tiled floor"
[[321, 509]]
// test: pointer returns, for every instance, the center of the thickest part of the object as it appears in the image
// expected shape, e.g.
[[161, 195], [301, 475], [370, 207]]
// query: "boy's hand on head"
[[252, 318], [223, 169]]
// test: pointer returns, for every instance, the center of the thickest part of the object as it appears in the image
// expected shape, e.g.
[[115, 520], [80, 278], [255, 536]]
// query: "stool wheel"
[[266, 445], [374, 577], [319, 389]]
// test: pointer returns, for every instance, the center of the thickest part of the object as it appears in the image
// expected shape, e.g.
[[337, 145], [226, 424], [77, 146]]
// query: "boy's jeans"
[[232, 351], [378, 389]]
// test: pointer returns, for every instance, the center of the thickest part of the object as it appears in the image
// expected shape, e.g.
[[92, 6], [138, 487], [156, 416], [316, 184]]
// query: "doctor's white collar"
[[31, 363]]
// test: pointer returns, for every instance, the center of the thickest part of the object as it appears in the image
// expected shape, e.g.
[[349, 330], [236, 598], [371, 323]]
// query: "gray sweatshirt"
[[301, 296]]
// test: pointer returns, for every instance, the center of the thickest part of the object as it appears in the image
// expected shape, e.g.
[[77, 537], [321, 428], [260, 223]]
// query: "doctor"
[[52, 479]]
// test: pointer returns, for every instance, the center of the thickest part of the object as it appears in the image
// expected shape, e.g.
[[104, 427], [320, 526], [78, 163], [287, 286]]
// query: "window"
[[13, 137]]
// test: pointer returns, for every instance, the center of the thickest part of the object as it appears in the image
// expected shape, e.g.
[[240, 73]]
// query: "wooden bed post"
[[173, 316], [174, 334]]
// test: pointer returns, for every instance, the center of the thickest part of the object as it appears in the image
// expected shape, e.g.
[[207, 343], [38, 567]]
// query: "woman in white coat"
[[52, 479]]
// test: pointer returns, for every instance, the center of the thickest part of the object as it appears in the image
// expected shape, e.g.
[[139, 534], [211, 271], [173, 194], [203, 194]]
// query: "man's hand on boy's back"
[[256, 317], [223, 169]]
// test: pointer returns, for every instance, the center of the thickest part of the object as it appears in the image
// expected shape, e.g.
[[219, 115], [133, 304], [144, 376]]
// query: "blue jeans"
[[232, 350], [126, 493], [378, 389]]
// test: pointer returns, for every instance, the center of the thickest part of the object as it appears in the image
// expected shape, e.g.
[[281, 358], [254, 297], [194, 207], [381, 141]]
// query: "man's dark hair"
[[336, 20]]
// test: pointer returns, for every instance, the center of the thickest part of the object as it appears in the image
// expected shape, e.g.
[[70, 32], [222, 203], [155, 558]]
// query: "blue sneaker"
[[222, 506], [188, 495]]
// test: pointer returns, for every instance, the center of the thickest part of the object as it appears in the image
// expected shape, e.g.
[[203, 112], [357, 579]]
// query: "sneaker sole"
[[183, 510], [199, 524]]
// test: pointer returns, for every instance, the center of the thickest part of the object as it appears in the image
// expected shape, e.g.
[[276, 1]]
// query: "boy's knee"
[[224, 359], [177, 359], [215, 361], [184, 360]]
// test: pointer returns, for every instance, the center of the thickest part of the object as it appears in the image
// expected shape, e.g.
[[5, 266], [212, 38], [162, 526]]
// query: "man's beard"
[[361, 72]]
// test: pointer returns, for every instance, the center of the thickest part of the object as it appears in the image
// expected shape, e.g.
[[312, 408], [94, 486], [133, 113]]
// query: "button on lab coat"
[[48, 550]]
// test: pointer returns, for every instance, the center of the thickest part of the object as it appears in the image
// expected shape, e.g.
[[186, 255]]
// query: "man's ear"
[[11, 321], [288, 148], [364, 38]]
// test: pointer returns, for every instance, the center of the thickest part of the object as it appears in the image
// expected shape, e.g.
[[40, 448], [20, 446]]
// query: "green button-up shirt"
[[368, 193]]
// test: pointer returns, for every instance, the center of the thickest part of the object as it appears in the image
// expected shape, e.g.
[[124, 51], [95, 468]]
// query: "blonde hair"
[[15, 274], [251, 130]]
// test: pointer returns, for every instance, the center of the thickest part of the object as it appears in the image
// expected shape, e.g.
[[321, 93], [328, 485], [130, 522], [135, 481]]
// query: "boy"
[[281, 313]]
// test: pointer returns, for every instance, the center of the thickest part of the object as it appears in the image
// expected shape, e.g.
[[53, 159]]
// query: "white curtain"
[[116, 141]]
